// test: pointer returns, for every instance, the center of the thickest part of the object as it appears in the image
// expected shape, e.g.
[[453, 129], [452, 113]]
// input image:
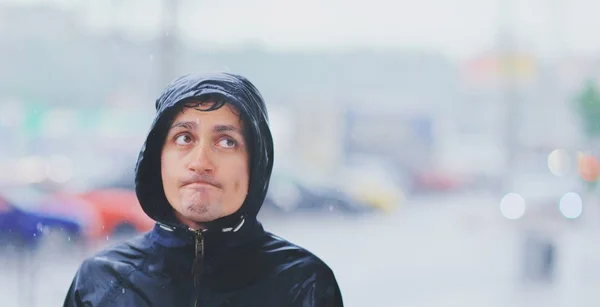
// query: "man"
[[202, 174]]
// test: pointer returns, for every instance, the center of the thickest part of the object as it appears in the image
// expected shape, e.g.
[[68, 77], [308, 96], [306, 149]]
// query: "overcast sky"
[[455, 27]]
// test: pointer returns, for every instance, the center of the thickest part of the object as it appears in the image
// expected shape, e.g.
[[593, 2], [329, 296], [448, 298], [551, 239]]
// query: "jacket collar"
[[177, 235]]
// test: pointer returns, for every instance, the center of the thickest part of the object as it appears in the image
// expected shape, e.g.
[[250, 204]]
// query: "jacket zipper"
[[198, 262]]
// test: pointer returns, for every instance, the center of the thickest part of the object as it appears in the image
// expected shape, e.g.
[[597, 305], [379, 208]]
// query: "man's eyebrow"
[[185, 124], [189, 125], [226, 128]]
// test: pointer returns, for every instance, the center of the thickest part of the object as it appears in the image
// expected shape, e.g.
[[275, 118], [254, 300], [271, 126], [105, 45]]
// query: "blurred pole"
[[557, 8], [113, 7], [508, 83], [560, 101], [167, 42], [25, 285], [537, 247]]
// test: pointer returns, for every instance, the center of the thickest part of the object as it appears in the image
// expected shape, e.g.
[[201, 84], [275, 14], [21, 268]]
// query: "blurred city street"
[[430, 164], [436, 251]]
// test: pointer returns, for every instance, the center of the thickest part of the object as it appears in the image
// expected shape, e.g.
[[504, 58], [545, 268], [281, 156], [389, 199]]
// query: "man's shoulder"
[[107, 275], [293, 257], [119, 259], [305, 277]]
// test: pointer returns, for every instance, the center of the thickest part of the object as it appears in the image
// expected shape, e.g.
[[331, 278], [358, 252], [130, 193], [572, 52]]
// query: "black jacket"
[[233, 262]]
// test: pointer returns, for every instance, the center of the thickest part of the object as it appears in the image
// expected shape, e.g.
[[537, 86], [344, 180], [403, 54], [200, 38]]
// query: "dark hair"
[[196, 103]]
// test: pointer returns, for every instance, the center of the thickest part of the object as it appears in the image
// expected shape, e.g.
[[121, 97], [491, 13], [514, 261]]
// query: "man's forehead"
[[192, 118]]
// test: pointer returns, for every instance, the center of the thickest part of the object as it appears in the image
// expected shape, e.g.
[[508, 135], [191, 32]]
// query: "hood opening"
[[233, 89]]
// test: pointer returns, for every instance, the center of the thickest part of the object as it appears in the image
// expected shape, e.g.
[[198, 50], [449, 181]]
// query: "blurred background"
[[433, 153]]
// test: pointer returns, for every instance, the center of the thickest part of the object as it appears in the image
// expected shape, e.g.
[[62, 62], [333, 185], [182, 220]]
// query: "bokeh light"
[[571, 205], [559, 162], [512, 206]]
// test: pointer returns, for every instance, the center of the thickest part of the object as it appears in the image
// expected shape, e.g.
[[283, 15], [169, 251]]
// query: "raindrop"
[[151, 57], [69, 239], [106, 238], [35, 235], [40, 227], [123, 290]]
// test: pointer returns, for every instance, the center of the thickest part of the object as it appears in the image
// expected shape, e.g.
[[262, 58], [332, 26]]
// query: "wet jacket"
[[233, 261]]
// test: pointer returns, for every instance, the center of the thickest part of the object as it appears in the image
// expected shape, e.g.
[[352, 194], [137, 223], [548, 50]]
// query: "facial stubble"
[[199, 204]]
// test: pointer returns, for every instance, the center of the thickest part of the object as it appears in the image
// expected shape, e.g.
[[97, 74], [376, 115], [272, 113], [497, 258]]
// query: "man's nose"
[[201, 159]]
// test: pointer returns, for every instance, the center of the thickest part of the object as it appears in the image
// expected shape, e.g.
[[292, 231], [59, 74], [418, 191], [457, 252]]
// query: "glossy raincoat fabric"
[[234, 261]]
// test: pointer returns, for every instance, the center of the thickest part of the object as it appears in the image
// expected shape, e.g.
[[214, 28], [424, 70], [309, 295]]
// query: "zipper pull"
[[198, 262], [198, 255], [199, 244]]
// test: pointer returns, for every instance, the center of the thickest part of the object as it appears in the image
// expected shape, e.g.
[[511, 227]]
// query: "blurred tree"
[[588, 107]]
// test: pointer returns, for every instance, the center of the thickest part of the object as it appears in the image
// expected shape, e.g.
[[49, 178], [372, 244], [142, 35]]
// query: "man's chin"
[[201, 213]]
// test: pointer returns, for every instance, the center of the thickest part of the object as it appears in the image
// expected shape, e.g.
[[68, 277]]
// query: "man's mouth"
[[200, 184]]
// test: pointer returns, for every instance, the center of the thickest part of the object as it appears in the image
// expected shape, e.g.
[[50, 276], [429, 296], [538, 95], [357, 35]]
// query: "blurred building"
[[421, 110]]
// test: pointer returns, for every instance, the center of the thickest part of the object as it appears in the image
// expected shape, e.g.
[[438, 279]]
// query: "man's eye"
[[183, 139], [227, 143]]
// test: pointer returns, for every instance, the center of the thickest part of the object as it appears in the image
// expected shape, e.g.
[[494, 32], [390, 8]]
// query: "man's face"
[[204, 164]]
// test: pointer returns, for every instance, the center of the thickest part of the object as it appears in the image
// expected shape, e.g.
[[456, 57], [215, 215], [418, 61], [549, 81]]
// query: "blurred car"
[[373, 181], [28, 215], [119, 210], [428, 181], [69, 205], [288, 193]]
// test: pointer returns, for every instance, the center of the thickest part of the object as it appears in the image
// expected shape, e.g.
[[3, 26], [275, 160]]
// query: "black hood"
[[244, 96]]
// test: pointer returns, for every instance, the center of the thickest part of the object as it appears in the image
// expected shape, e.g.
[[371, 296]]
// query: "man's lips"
[[201, 184], [200, 181]]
